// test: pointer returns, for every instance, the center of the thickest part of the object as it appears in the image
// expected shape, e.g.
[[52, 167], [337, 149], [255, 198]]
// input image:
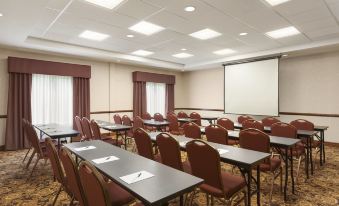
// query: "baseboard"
[[332, 144], [2, 148]]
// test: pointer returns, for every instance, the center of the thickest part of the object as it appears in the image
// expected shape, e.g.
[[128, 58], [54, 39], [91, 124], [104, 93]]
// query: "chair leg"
[[207, 199], [37, 160], [72, 200], [281, 179], [30, 159], [57, 195], [245, 197], [212, 200], [271, 190], [26, 155], [192, 197], [298, 168]]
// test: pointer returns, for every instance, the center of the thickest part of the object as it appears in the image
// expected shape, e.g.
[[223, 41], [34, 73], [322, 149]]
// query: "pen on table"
[[108, 158], [137, 177]]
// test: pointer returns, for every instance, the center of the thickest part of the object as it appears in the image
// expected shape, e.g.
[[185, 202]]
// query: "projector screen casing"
[[252, 88]]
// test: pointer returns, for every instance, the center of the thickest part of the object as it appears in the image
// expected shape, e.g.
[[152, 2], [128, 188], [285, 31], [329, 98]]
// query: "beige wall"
[[307, 84], [111, 84]]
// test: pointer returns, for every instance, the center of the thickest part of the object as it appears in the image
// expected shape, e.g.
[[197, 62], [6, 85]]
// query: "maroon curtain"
[[169, 98], [81, 97], [19, 107], [139, 98]]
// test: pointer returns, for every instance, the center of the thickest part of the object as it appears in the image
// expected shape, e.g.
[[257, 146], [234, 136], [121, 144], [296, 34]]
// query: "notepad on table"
[[105, 159], [79, 149], [222, 151], [136, 177], [111, 126]]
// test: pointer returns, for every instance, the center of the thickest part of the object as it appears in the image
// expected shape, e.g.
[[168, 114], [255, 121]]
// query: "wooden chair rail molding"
[[280, 113], [3, 116], [110, 112]]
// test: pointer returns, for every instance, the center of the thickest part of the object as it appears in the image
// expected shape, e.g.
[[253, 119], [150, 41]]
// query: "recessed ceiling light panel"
[[146, 28], [284, 32], [109, 4], [182, 55], [243, 34], [130, 35], [183, 49], [189, 8], [142, 52], [1, 14], [92, 35], [205, 34], [224, 52], [276, 2]]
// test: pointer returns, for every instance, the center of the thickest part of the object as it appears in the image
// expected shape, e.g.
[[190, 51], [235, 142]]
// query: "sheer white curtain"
[[52, 99], [155, 93]]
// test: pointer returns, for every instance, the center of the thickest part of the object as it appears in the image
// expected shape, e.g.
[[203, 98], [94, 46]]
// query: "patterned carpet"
[[321, 189]]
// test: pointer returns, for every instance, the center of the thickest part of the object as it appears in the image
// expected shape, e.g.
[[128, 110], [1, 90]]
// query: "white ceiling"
[[54, 26]]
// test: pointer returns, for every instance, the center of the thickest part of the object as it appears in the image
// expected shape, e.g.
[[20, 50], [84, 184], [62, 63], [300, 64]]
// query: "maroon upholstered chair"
[[77, 121], [170, 152], [97, 135], [253, 124], [174, 125], [192, 130], [138, 123], [195, 115], [117, 119], [243, 118], [146, 116], [99, 192], [72, 175], [127, 121], [254, 139], [268, 121], [158, 117], [218, 134], [86, 128], [281, 129], [226, 123], [205, 164], [182, 115], [57, 169], [144, 145]]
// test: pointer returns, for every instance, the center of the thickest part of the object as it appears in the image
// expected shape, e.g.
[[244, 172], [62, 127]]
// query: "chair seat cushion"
[[113, 141], [296, 151], [118, 195], [275, 163], [233, 142], [231, 183]]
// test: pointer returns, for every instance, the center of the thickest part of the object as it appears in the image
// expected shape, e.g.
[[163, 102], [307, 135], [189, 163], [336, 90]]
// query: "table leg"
[[286, 173], [258, 185], [59, 144], [249, 178], [181, 200], [291, 149], [322, 135], [311, 158], [125, 140], [307, 157]]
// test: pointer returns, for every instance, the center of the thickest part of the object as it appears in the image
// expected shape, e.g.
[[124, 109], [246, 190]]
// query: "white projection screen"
[[252, 88]]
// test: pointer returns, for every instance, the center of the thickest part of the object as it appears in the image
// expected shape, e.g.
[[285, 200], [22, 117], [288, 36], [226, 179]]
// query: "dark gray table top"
[[235, 155], [209, 118], [186, 120], [112, 126], [56, 131], [166, 184], [156, 123]]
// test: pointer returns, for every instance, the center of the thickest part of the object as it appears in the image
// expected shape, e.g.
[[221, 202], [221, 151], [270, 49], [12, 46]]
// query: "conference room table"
[[278, 143], [163, 183], [210, 119], [184, 120], [157, 124], [245, 160], [308, 135], [117, 128], [56, 131]]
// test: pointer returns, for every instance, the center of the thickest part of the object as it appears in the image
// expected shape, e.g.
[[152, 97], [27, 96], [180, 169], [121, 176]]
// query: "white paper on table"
[[79, 149], [183, 144], [105, 159], [136, 177], [222, 151]]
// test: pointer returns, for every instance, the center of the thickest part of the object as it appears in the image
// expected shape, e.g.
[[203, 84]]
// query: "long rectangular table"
[[166, 184], [56, 131], [117, 128], [157, 124], [210, 119], [245, 160]]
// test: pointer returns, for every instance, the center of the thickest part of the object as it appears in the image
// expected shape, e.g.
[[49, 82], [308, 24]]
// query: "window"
[[155, 93], [52, 99]]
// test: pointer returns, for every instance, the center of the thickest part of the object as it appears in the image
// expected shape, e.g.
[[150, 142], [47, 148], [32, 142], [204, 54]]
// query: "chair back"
[[146, 116], [254, 139], [251, 123], [158, 117], [86, 128], [25, 124], [281, 129], [226, 123], [94, 186], [126, 120], [169, 151], [173, 122], [192, 130], [195, 115], [205, 163], [243, 118], [143, 143], [77, 121], [138, 123], [268, 121], [55, 162], [96, 130], [182, 115], [217, 134], [302, 124], [117, 119], [72, 174], [34, 139]]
